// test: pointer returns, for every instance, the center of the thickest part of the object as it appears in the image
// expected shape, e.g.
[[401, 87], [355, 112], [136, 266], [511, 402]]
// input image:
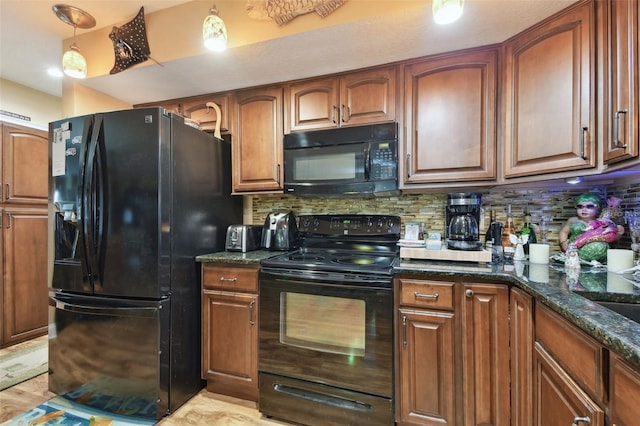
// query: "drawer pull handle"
[[578, 420], [426, 296], [231, 280]]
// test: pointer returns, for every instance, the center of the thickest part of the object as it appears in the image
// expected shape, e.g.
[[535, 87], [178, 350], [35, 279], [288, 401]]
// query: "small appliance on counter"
[[280, 232], [243, 238], [462, 218]]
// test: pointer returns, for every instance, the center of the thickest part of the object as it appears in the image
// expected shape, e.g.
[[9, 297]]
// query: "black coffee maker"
[[462, 219]]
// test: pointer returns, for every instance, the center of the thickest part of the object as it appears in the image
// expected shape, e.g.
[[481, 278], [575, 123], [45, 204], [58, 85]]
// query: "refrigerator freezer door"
[[113, 357], [67, 149]]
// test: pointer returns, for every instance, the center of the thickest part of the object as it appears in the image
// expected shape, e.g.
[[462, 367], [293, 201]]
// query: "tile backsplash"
[[430, 207]]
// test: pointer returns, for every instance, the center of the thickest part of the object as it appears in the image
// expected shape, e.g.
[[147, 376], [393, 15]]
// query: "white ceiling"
[[31, 41]]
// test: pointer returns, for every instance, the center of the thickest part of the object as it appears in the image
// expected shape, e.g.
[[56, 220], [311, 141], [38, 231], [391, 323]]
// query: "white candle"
[[619, 260], [539, 253]]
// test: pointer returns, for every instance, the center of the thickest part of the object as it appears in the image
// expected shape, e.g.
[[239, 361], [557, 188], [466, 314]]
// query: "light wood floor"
[[205, 408]]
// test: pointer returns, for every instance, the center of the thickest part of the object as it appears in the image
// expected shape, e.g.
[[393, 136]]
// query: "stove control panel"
[[349, 224]]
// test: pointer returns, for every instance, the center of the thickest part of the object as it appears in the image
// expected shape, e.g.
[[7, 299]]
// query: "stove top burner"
[[351, 244], [363, 260], [306, 257]]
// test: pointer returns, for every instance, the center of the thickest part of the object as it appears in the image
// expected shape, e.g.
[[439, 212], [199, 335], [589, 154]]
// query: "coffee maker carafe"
[[462, 218]]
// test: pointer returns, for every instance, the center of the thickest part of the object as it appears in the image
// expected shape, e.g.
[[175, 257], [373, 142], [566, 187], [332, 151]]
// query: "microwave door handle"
[[367, 162]]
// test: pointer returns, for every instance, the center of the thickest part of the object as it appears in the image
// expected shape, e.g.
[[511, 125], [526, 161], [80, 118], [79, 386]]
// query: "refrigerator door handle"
[[88, 207], [122, 311]]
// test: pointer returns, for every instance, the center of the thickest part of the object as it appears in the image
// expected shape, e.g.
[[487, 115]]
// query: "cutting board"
[[445, 254]]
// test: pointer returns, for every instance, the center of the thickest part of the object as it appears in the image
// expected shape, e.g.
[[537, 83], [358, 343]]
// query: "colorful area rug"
[[23, 364], [63, 412]]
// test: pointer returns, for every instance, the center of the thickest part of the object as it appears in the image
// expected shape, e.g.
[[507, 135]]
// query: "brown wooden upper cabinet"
[[549, 96], [450, 117], [363, 97], [195, 108], [256, 146], [623, 52], [23, 165]]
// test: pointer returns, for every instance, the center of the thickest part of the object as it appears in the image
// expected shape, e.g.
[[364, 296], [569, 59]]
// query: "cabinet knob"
[[469, 293]]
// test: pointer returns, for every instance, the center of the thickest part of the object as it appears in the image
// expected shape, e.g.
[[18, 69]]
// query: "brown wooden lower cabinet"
[[230, 330], [559, 401], [427, 381], [23, 274], [624, 393], [453, 353], [522, 337]]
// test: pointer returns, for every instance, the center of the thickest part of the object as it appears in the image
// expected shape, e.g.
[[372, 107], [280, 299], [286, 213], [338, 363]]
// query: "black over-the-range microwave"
[[350, 161]]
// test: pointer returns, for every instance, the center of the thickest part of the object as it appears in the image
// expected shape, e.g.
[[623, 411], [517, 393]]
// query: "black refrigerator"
[[135, 195]]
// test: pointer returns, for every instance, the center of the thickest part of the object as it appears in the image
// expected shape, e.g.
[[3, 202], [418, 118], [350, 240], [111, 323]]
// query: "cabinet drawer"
[[579, 355], [426, 294], [230, 277]]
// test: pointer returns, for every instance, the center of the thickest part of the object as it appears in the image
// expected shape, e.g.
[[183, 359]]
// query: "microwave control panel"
[[383, 161]]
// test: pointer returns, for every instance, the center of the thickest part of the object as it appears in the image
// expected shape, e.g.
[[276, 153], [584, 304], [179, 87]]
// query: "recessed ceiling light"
[[574, 180], [55, 72]]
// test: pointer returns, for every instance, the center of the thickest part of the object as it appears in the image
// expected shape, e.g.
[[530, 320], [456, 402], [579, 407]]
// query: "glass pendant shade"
[[73, 63], [447, 11], [214, 32]]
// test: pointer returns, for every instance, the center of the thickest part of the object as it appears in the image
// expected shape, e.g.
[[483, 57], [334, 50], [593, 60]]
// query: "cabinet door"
[[485, 354], [25, 298], [451, 119], [624, 393], [229, 343], [549, 101], [522, 338], [368, 97], [25, 160], [558, 400], [313, 104], [197, 109], [257, 143], [623, 119], [426, 394]]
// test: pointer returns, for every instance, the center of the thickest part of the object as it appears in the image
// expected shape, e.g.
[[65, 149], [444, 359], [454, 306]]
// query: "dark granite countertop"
[[574, 299], [548, 284], [250, 257]]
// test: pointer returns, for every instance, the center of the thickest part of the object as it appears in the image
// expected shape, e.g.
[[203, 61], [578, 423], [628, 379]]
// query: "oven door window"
[[323, 323], [340, 163]]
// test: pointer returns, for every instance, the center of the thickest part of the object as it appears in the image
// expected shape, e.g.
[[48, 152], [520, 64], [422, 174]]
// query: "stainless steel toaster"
[[243, 238]]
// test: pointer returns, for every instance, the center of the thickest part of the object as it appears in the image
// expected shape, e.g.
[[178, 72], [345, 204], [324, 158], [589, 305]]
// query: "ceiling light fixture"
[[447, 11], [214, 32], [574, 180], [73, 63]]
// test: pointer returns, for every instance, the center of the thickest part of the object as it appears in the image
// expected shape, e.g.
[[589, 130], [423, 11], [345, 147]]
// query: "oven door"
[[327, 329]]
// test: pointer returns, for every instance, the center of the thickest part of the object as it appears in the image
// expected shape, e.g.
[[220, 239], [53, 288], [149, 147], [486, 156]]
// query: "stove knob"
[[305, 223]]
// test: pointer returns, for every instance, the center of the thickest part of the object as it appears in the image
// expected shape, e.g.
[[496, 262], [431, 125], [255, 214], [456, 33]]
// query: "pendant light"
[[214, 32], [447, 11], [73, 63]]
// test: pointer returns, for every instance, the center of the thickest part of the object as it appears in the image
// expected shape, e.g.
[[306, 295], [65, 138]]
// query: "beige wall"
[[176, 32], [18, 99], [81, 100]]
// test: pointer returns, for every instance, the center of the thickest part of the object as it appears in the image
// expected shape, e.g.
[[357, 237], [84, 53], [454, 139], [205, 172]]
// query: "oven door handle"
[[322, 277], [323, 398]]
